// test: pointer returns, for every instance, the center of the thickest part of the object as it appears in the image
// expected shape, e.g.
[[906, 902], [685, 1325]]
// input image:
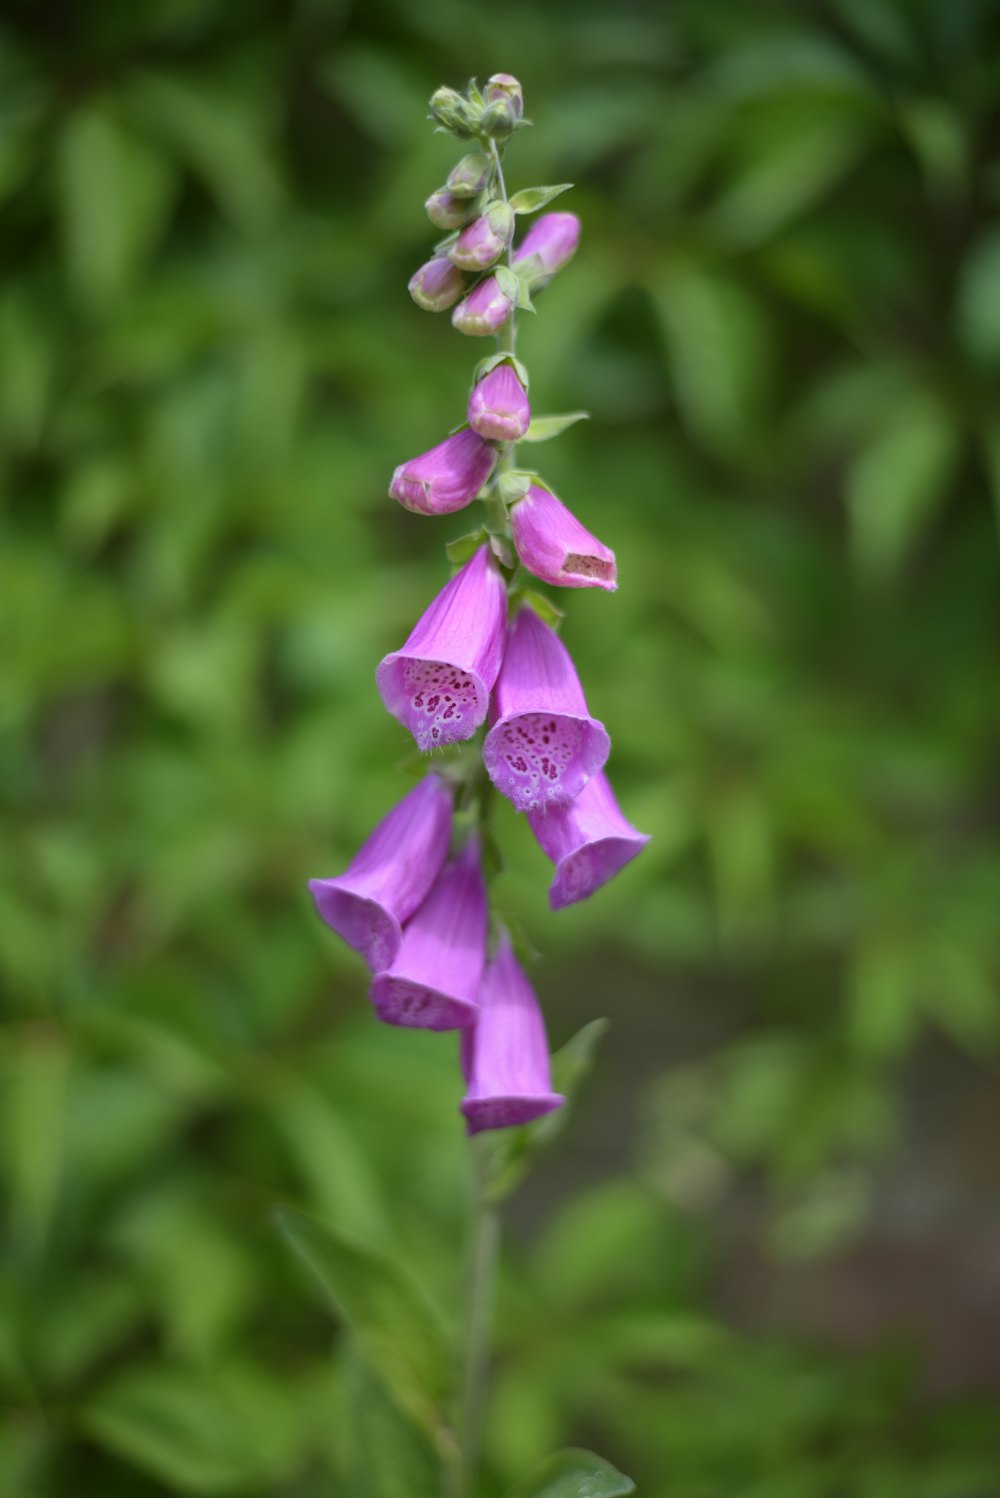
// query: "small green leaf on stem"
[[485, 366], [524, 280], [550, 613], [396, 1327], [542, 428], [514, 485], [463, 547], [507, 282], [530, 199], [574, 1474]]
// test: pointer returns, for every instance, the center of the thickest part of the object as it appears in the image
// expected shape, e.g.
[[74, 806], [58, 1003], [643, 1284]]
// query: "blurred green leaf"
[[719, 348], [574, 1474], [390, 1457], [543, 428], [396, 1328], [530, 199], [897, 483]]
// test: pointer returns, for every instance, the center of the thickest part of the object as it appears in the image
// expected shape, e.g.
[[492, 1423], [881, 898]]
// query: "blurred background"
[[764, 1259]]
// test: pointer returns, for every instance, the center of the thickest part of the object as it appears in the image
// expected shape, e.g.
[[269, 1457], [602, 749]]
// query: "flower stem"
[[484, 1239]]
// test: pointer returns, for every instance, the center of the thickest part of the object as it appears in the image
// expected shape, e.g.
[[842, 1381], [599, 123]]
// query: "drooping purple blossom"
[[437, 285], [553, 544], [434, 980], [390, 875], [505, 1056], [483, 311], [447, 478], [548, 245], [543, 745], [498, 406], [439, 684], [482, 242], [589, 841]]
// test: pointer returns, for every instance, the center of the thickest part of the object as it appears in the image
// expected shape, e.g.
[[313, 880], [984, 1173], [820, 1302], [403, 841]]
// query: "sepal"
[[531, 199], [544, 428]]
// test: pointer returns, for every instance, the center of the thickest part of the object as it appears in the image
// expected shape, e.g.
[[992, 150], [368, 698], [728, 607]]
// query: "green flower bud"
[[498, 120], [504, 88], [454, 112], [448, 211], [469, 177]]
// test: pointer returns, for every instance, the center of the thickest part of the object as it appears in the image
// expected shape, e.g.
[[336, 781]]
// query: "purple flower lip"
[[549, 243], [437, 285], [390, 876], [498, 406], [483, 311], [553, 545], [447, 478], [439, 684], [505, 1058], [589, 841], [543, 745], [433, 982]]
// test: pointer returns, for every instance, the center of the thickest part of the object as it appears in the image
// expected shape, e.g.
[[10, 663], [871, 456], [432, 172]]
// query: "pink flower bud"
[[505, 1056], [437, 285], [548, 245], [553, 545], [543, 745], [503, 88], [589, 841], [485, 239], [446, 478], [433, 983], [390, 876], [439, 684], [469, 176], [498, 406], [447, 211], [483, 311]]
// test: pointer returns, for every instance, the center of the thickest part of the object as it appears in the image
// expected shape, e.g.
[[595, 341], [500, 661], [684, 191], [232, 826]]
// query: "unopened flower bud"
[[484, 240], [454, 112], [446, 211], [445, 479], [498, 406], [552, 543], [484, 311], [437, 285], [498, 120], [470, 176], [548, 245], [504, 88]]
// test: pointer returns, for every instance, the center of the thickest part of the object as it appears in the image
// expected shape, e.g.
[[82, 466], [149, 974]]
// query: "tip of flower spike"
[[582, 874], [417, 1006], [507, 1112], [358, 920]]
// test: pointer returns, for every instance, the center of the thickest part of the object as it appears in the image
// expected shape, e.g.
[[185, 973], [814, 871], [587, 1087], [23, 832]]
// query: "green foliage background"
[[750, 1267]]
